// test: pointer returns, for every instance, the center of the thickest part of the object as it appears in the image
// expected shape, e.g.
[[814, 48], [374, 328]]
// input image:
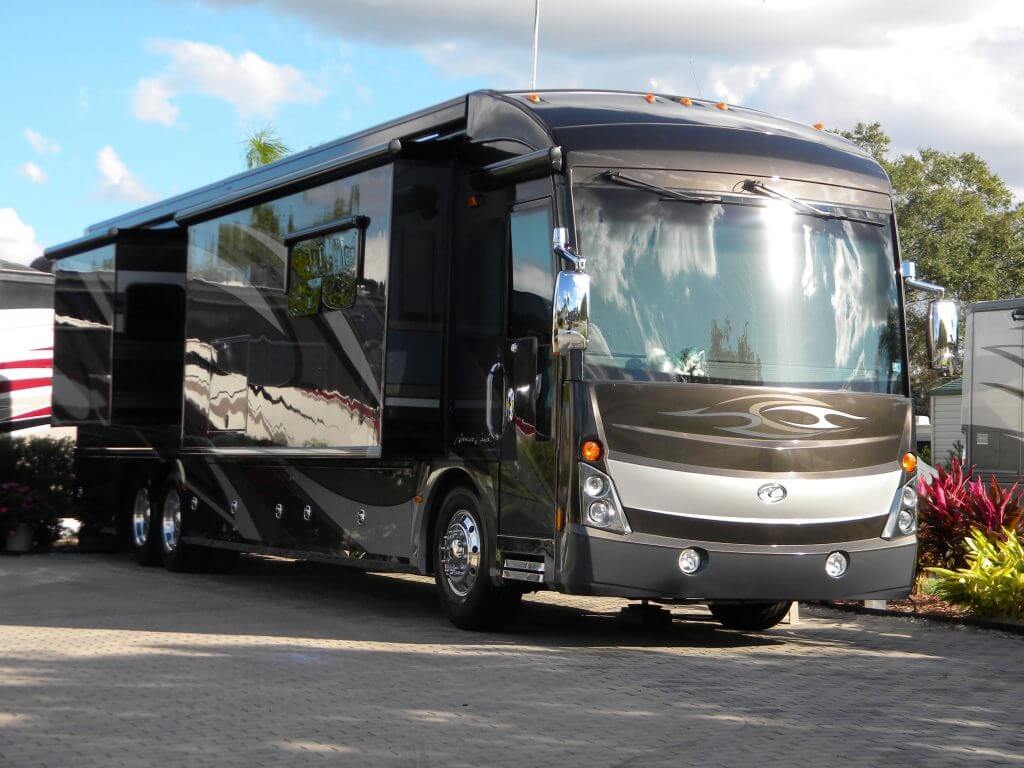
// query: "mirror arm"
[[908, 269], [560, 243], [923, 285]]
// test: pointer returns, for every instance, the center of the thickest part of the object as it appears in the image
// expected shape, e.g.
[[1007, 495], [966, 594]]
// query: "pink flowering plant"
[[956, 502]]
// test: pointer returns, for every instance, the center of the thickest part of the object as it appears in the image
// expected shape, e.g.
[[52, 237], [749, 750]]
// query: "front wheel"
[[463, 552], [752, 617]]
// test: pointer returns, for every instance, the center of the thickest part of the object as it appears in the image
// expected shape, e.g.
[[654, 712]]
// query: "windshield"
[[738, 293]]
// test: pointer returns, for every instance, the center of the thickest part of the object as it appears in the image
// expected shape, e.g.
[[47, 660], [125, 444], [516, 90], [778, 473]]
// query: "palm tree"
[[263, 146]]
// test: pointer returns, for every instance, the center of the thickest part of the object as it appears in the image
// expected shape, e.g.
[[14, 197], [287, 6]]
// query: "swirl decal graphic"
[[776, 416]]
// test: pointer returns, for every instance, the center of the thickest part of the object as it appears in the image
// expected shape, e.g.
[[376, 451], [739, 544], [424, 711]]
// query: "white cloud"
[[250, 83], [940, 73], [116, 181], [32, 172], [151, 102], [40, 143], [17, 239]]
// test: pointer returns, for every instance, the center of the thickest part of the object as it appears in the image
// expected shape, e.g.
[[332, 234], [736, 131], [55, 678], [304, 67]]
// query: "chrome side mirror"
[[943, 321], [571, 326]]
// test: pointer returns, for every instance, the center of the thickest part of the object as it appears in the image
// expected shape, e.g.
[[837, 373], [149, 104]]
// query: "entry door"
[[527, 487]]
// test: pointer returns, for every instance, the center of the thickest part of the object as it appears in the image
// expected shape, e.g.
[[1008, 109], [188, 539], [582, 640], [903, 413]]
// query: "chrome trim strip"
[[524, 565], [371, 452], [536, 578]]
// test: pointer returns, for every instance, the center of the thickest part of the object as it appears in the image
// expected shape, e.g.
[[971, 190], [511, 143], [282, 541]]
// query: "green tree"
[[957, 219], [263, 146]]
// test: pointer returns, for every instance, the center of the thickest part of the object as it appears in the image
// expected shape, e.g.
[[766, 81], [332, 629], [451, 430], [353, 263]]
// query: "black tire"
[[219, 560], [143, 531], [471, 600], [751, 617], [176, 554]]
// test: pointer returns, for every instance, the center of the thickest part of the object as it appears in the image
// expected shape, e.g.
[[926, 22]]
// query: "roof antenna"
[[536, 34], [693, 72]]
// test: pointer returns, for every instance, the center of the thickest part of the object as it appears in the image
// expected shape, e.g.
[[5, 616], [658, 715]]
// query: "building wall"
[[945, 415]]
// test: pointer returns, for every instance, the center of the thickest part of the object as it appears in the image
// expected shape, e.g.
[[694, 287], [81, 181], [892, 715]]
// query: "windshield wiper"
[[762, 189], [665, 192]]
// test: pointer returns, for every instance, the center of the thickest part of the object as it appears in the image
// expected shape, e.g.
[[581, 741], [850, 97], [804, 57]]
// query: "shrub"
[[992, 583], [36, 484], [954, 503]]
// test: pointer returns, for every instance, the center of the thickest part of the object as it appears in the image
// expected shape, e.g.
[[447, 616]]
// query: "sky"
[[105, 107]]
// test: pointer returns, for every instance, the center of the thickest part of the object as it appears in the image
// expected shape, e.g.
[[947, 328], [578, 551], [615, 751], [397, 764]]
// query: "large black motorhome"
[[597, 342]]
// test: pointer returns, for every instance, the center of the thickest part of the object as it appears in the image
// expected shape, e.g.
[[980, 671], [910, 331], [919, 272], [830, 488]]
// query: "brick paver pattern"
[[104, 663]]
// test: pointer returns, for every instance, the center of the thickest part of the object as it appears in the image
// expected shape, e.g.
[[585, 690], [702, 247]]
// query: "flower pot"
[[19, 539]]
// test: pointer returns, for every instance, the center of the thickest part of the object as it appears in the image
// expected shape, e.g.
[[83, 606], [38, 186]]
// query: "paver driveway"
[[287, 664]]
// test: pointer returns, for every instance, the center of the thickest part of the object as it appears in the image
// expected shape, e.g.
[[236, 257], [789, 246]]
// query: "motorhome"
[[26, 349], [993, 388], [604, 343]]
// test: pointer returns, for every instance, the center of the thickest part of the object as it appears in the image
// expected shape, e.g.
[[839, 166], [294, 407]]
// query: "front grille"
[[728, 532]]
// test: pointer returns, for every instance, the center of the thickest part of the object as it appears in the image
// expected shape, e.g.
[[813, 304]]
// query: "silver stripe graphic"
[[734, 499], [759, 442]]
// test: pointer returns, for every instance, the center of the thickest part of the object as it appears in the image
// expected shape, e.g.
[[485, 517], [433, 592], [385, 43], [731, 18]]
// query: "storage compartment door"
[[997, 386]]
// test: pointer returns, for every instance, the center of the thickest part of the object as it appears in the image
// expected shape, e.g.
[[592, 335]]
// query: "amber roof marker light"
[[686, 101], [819, 126], [650, 98], [722, 106]]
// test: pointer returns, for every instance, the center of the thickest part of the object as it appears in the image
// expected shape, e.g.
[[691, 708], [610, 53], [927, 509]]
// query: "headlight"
[[906, 521], [909, 499], [594, 486], [601, 506], [600, 514]]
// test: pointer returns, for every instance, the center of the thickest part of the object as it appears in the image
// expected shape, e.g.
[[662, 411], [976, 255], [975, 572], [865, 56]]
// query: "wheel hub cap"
[[460, 553], [141, 515], [172, 521]]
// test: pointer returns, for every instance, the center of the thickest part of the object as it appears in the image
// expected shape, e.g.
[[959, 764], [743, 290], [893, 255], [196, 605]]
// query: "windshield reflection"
[[737, 293]]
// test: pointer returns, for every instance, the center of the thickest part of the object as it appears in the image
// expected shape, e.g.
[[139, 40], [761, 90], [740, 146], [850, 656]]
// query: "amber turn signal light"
[[591, 450], [908, 462]]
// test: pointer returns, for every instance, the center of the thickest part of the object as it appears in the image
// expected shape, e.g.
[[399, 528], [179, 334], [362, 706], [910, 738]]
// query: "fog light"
[[595, 486], [906, 521], [909, 497], [690, 561], [836, 564], [600, 514]]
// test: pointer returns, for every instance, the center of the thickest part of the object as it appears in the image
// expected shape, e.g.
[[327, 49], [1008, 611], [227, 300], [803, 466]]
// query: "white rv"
[[26, 349], [993, 388]]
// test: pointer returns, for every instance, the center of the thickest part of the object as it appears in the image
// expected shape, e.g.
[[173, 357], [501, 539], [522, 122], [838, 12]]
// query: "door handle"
[[1017, 315], [492, 430]]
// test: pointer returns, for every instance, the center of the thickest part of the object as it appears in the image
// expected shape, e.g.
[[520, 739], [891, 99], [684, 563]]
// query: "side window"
[[532, 272], [324, 267]]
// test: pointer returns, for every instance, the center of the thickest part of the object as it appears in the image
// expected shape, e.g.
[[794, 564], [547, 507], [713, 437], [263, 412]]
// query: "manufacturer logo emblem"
[[771, 493]]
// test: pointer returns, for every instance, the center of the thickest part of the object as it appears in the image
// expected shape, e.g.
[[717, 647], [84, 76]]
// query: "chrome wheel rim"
[[141, 516], [460, 553], [171, 521]]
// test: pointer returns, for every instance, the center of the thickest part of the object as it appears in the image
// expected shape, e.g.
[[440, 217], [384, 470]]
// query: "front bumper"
[[642, 565]]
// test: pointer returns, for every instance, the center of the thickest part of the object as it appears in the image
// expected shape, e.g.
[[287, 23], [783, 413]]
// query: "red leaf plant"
[[956, 501]]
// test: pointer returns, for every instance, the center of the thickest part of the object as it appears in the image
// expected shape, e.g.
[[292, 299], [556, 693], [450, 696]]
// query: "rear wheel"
[[463, 551], [145, 540], [752, 617], [176, 554]]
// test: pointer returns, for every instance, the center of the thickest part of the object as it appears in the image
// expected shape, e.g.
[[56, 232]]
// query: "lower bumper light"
[[690, 561], [906, 521], [836, 564]]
